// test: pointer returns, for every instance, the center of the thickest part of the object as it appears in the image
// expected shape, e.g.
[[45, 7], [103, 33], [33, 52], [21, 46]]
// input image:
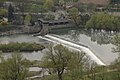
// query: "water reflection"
[[101, 38], [99, 41], [24, 38]]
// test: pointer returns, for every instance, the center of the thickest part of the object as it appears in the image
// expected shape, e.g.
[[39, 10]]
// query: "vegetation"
[[3, 12], [49, 17], [70, 0], [84, 19], [60, 62], [37, 8], [13, 68], [22, 47], [49, 4], [59, 59], [5, 27], [103, 21], [116, 42], [10, 13], [28, 19], [3, 23], [74, 15], [63, 64], [114, 1]]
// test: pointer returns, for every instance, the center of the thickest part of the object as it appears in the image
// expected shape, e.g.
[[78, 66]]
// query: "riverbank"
[[19, 29]]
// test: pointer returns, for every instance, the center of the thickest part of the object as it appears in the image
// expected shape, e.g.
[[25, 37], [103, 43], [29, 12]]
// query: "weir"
[[79, 47]]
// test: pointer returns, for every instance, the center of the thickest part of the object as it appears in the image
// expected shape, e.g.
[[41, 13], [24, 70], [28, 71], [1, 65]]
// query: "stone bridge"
[[48, 25]]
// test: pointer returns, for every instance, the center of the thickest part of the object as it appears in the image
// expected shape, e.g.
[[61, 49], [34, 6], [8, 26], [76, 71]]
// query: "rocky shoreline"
[[21, 30]]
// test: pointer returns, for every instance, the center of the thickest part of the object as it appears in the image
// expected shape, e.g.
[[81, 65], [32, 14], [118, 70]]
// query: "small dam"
[[78, 47]]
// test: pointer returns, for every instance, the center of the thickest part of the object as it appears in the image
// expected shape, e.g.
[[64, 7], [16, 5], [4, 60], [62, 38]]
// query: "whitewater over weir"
[[79, 47]]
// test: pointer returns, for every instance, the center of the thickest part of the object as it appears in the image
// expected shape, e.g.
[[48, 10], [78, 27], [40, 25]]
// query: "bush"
[[49, 17], [7, 28], [103, 21], [4, 23], [3, 12], [22, 47]]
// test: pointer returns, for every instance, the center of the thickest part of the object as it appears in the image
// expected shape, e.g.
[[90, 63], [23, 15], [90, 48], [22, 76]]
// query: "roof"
[[96, 2]]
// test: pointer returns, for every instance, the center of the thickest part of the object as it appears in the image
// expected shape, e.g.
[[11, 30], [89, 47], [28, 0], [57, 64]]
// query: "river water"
[[99, 43], [24, 38]]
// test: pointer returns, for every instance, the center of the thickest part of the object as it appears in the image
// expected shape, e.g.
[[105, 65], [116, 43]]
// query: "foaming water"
[[74, 46]]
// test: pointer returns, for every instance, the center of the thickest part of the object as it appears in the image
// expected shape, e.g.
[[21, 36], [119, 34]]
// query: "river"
[[97, 42], [24, 38]]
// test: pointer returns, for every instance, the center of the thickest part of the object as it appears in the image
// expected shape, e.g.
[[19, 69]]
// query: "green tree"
[[74, 15], [70, 0], [77, 65], [13, 68], [49, 4], [10, 13], [61, 2], [114, 1], [116, 42], [116, 66], [3, 12], [116, 63], [103, 21], [28, 18], [37, 8], [59, 59], [49, 17]]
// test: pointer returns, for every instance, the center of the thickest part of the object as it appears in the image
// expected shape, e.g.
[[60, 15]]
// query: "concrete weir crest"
[[79, 47]]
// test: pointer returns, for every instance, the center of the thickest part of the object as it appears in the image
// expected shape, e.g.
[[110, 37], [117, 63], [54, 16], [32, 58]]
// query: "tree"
[[70, 0], [3, 12], [61, 2], [114, 1], [77, 65], [74, 15], [49, 17], [28, 19], [75, 0], [37, 8], [116, 42], [10, 13], [13, 68], [49, 4], [116, 63], [60, 59], [57, 58], [116, 66], [103, 21]]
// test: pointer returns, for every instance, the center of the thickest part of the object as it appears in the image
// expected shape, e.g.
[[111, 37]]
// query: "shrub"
[[4, 23], [103, 21], [22, 47], [7, 28], [3, 12]]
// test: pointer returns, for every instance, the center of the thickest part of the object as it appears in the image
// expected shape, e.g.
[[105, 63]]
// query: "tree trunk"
[[60, 76]]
